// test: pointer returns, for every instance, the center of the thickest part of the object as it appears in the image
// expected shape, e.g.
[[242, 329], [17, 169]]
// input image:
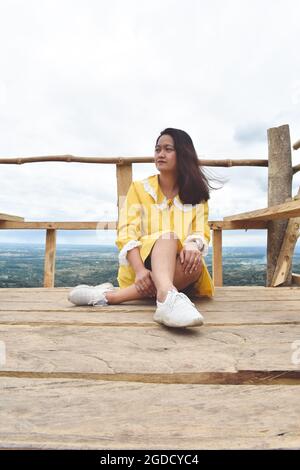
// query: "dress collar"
[[152, 187]]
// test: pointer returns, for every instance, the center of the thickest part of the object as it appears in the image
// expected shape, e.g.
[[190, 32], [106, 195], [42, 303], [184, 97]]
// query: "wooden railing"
[[261, 219], [51, 228]]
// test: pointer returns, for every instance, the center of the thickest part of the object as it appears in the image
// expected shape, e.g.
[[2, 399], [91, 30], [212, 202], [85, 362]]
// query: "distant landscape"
[[22, 265]]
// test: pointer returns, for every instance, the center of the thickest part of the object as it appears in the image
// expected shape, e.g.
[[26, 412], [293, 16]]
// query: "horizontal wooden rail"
[[7, 225], [281, 211], [51, 227], [296, 279], [228, 162], [296, 168], [112, 225], [242, 225]]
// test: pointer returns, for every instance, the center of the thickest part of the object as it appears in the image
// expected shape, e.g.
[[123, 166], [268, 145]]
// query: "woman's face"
[[165, 154]]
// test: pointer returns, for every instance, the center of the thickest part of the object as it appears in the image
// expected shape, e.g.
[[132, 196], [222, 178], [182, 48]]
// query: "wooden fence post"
[[280, 174], [285, 258], [50, 252], [124, 179], [217, 267]]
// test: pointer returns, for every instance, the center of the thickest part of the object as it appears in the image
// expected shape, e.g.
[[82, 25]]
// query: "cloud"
[[103, 78], [251, 133]]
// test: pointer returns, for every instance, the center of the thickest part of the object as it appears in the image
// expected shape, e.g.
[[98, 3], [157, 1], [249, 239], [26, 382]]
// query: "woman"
[[163, 235]]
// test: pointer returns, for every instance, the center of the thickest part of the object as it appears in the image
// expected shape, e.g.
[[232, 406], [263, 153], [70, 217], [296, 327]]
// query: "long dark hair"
[[194, 185]]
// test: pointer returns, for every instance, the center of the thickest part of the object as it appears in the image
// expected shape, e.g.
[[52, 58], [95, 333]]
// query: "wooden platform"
[[95, 378]]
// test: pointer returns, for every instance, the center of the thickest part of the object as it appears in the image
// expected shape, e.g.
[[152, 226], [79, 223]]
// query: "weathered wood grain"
[[205, 305], [127, 316], [111, 350], [223, 293], [104, 378], [86, 414]]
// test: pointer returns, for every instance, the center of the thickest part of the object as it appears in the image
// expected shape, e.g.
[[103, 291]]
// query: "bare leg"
[[123, 295], [182, 280], [167, 271], [163, 262], [130, 293], [166, 274]]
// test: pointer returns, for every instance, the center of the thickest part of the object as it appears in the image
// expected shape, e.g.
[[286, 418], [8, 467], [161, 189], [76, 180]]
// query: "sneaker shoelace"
[[182, 296], [95, 298]]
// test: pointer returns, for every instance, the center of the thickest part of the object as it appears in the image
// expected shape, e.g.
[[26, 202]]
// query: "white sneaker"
[[90, 295], [177, 311]]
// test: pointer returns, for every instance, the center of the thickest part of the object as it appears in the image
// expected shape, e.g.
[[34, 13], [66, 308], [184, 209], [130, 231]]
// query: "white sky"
[[103, 78]]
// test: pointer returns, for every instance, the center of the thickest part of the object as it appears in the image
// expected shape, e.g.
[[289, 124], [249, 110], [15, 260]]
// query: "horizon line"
[[112, 244]]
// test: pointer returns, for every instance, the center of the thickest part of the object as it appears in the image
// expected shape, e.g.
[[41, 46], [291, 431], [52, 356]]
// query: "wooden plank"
[[89, 414], [221, 293], [280, 211], [285, 258], [237, 225], [142, 351], [287, 292], [283, 262], [141, 317], [296, 279], [247, 292], [50, 253], [205, 305], [44, 306], [260, 292], [40, 299], [10, 217]]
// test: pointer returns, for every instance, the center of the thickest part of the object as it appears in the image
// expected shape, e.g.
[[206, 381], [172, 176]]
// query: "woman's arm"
[[128, 241], [143, 279], [196, 243], [200, 230], [135, 260], [129, 225]]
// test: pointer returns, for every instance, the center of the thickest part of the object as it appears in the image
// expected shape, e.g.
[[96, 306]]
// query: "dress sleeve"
[[129, 225], [200, 231]]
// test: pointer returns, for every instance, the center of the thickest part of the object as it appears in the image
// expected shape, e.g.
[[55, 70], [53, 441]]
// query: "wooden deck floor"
[[95, 378]]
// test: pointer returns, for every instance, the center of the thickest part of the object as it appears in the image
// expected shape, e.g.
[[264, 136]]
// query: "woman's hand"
[[144, 283], [190, 257]]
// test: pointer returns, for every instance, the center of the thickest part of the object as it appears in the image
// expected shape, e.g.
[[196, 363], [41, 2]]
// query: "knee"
[[168, 236], [194, 275], [159, 245]]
